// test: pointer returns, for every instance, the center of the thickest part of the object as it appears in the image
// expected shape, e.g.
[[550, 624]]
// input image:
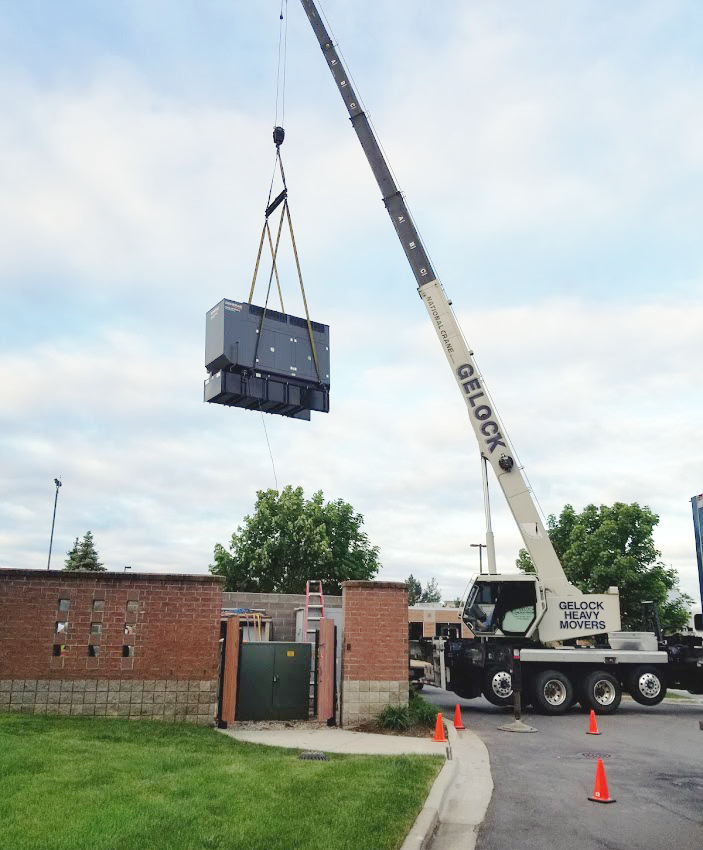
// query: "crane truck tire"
[[646, 685], [553, 692], [498, 686], [601, 691]]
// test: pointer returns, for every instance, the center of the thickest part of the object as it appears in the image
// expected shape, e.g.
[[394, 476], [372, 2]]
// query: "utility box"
[[263, 360], [274, 681]]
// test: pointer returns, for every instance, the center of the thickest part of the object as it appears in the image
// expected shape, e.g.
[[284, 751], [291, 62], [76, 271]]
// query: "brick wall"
[[279, 606], [375, 652], [110, 643]]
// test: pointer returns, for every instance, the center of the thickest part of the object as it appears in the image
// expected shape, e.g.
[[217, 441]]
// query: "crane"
[[493, 441], [536, 617]]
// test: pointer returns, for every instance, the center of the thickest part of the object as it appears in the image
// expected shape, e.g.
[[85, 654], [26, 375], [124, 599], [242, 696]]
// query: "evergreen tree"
[[431, 593], [83, 556], [414, 589], [416, 593], [72, 557]]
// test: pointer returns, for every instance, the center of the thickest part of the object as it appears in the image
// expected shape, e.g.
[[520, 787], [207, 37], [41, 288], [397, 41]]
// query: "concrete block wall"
[[169, 700], [279, 606], [375, 651], [110, 644]]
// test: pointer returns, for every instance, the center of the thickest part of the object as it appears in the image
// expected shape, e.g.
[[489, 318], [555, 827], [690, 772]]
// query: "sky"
[[552, 157]]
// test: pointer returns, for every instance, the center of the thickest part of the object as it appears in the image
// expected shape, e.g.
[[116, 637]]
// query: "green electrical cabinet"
[[274, 681]]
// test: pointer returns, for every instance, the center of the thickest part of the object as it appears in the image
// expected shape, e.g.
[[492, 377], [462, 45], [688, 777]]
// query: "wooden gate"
[[326, 679]]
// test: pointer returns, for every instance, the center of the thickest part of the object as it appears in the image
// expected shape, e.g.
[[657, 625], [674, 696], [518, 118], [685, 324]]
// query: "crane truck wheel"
[[601, 691], [646, 685], [498, 686], [553, 692]]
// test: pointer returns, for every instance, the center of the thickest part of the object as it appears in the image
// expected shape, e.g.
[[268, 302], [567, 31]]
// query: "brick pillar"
[[375, 649]]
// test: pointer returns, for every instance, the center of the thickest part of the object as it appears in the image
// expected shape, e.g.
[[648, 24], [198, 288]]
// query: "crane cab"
[[504, 606], [517, 606]]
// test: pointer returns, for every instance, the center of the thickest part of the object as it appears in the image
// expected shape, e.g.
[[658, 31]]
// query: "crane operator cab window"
[[501, 607]]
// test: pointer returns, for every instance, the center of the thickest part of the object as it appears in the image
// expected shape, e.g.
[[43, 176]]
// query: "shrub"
[[422, 713], [394, 717]]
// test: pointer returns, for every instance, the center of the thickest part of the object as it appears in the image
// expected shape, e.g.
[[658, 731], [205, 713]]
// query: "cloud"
[[159, 477], [552, 162]]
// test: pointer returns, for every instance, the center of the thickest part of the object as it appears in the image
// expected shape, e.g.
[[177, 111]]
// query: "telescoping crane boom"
[[602, 611]]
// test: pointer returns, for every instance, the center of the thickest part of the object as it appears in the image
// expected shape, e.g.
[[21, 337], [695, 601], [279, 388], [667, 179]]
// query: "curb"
[[684, 699], [423, 830]]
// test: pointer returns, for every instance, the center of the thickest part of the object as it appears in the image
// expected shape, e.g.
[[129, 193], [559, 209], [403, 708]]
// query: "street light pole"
[[480, 547], [57, 481]]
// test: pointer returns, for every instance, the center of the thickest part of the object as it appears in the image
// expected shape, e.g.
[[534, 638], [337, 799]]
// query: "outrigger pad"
[[264, 361]]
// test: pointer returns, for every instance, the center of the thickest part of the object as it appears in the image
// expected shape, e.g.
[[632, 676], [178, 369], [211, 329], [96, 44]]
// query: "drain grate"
[[595, 755], [311, 756]]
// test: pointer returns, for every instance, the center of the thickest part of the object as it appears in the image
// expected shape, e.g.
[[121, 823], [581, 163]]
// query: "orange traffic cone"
[[593, 726], [439, 736], [600, 790], [457, 718]]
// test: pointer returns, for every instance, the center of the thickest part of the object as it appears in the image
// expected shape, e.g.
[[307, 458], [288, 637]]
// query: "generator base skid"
[[265, 360], [267, 393]]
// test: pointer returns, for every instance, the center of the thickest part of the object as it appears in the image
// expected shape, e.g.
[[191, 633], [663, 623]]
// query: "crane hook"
[[279, 135]]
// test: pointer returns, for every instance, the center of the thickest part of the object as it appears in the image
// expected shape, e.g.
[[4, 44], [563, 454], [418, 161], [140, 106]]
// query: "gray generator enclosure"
[[263, 360]]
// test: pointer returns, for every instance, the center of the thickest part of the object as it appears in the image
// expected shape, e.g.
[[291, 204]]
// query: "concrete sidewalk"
[[334, 740], [466, 797], [458, 800]]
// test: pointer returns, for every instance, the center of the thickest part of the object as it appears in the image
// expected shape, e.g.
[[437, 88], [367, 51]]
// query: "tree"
[[83, 556], [289, 540], [431, 593], [71, 562], [416, 594], [606, 546], [414, 589]]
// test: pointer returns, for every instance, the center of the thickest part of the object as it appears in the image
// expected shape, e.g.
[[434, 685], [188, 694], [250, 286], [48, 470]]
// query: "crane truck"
[[542, 616]]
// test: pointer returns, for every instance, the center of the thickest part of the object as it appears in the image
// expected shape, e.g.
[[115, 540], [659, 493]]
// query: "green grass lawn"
[[75, 783]]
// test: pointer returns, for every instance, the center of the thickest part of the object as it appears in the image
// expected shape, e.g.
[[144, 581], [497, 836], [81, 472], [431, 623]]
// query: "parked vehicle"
[[421, 670]]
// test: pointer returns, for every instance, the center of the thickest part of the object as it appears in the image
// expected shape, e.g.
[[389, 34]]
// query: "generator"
[[260, 359]]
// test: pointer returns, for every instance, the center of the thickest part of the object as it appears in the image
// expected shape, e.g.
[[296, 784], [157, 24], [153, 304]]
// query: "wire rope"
[[281, 69], [280, 97], [503, 427], [266, 434]]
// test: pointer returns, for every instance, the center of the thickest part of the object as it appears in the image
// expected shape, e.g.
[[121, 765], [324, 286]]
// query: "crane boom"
[[493, 443], [392, 197]]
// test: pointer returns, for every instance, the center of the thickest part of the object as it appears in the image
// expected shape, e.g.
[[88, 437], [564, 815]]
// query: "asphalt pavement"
[[653, 759]]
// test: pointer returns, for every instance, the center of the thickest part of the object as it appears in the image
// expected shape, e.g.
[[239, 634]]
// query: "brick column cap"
[[109, 576], [375, 585]]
